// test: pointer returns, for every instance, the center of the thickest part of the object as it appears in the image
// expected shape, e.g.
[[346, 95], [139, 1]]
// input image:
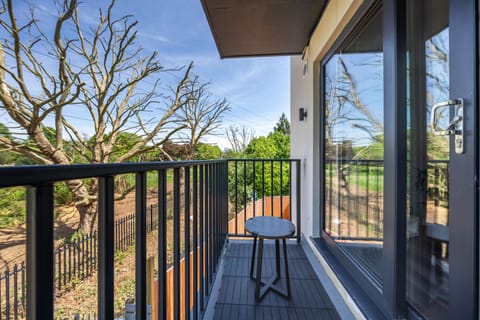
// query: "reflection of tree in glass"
[[353, 110], [344, 105], [437, 89]]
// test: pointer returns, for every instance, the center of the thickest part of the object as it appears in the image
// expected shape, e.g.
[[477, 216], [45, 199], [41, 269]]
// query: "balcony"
[[215, 197]]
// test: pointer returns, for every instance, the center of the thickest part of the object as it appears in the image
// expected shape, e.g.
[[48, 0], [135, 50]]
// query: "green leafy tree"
[[268, 179], [6, 156], [205, 151], [283, 125], [274, 145], [12, 206], [265, 179]]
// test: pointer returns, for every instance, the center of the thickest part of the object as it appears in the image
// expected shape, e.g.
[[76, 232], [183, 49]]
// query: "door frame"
[[464, 168], [395, 158], [463, 247]]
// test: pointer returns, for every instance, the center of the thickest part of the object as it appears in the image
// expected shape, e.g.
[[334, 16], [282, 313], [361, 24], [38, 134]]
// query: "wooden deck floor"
[[236, 296]]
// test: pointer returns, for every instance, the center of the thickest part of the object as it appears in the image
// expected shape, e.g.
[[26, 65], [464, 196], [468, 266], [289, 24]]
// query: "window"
[[353, 138]]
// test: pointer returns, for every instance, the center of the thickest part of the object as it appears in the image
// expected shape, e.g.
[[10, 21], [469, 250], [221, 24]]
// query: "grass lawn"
[[358, 177]]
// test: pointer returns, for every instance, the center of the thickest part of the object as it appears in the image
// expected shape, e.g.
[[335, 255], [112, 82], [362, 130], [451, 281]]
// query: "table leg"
[[277, 256], [253, 256], [287, 275], [259, 269]]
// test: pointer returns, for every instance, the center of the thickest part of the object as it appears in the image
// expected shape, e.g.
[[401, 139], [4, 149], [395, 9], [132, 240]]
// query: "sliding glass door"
[[441, 153], [400, 156]]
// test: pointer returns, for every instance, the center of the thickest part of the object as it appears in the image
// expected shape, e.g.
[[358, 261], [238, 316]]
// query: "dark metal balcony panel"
[[243, 28]]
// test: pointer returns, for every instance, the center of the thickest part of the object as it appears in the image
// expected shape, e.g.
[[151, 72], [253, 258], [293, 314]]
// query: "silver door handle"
[[455, 127]]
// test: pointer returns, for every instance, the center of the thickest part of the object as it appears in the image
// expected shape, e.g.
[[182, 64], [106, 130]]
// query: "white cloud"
[[154, 37]]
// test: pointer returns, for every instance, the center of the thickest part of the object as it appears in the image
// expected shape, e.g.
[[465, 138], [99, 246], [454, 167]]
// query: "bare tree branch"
[[201, 114], [239, 137]]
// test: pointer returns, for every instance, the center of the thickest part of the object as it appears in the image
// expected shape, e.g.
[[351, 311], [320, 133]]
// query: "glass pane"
[[353, 105], [428, 159]]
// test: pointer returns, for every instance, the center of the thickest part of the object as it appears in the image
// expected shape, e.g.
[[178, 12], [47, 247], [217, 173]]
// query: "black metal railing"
[[354, 199], [259, 187], [125, 228], [76, 260], [437, 190], [12, 292], [200, 198]]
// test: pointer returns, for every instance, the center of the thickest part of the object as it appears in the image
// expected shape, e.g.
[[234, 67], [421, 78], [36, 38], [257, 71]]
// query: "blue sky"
[[257, 88]]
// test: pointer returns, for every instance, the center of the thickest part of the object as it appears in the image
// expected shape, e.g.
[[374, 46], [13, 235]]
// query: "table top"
[[269, 227]]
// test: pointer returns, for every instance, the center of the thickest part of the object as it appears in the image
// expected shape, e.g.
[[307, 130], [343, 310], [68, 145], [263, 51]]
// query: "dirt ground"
[[13, 240], [80, 296]]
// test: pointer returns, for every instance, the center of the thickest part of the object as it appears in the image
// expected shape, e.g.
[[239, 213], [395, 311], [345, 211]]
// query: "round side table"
[[269, 227]]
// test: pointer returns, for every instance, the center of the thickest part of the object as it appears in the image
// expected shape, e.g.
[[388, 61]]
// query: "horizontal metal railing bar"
[[354, 160], [239, 235], [263, 159], [373, 161], [358, 238], [438, 161], [11, 176]]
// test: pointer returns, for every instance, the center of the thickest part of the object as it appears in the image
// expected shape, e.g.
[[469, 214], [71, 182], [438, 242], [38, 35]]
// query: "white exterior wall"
[[305, 93]]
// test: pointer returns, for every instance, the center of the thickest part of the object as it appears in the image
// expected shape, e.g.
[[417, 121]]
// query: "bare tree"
[[200, 116], [98, 73], [239, 137]]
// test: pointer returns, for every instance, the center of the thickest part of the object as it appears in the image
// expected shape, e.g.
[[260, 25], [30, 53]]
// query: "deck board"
[[236, 296]]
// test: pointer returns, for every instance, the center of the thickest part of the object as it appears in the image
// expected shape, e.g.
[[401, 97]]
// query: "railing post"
[[40, 263], [236, 196], [215, 215], [207, 229], [211, 230], [64, 265], [23, 287], [106, 249], [186, 227], [7, 292], [162, 245], [15, 293], [290, 180], [245, 189], [225, 199], [281, 189], [271, 188], [176, 242], [195, 242], [299, 204], [263, 187], [140, 246], [254, 193], [202, 236]]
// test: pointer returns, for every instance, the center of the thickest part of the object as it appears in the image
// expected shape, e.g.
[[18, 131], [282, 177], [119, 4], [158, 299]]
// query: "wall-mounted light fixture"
[[302, 114]]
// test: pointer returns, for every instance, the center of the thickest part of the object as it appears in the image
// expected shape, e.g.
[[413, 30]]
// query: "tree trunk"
[[85, 204], [88, 215]]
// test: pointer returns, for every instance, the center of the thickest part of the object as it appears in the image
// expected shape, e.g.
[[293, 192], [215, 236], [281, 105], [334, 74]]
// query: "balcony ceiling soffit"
[[243, 28]]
